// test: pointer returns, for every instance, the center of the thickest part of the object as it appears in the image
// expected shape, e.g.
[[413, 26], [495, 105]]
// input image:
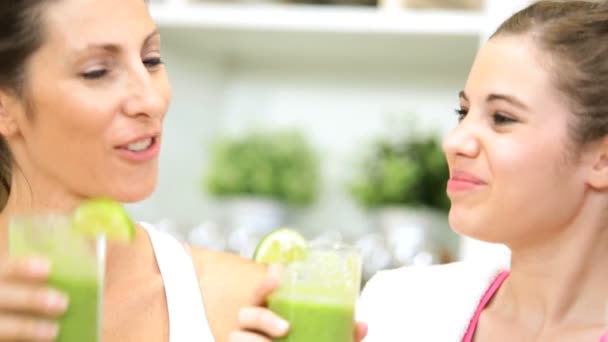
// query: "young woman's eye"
[[461, 113], [501, 119], [94, 74], [153, 62]]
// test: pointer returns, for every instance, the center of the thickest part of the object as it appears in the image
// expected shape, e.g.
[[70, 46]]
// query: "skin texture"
[[90, 92]]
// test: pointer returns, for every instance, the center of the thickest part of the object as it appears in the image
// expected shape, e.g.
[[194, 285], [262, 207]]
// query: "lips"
[[463, 181], [139, 143], [462, 176], [142, 149]]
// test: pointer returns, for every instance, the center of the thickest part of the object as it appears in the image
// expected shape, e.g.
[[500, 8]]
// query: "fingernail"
[[56, 301], [39, 267], [281, 325], [47, 331]]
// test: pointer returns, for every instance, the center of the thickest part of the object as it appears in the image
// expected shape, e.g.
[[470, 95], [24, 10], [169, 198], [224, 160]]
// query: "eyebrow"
[[113, 48], [498, 97], [462, 95]]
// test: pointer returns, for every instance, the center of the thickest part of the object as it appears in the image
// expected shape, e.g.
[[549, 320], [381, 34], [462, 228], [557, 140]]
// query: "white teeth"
[[140, 145]]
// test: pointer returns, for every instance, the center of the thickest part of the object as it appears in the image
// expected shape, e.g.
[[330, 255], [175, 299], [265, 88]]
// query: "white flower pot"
[[248, 219], [416, 236]]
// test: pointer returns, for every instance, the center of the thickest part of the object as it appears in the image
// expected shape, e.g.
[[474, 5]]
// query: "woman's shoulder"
[[221, 267], [226, 278], [209, 264], [228, 283], [415, 301]]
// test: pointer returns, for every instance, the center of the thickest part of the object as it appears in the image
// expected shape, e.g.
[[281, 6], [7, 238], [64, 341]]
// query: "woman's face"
[[515, 178], [97, 95]]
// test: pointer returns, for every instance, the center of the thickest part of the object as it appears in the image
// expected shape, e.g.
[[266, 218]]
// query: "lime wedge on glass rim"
[[103, 216], [281, 246]]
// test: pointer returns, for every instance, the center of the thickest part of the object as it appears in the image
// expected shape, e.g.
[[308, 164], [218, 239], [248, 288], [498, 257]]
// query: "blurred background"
[[325, 116]]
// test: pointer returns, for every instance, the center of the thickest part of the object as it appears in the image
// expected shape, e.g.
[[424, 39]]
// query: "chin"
[[134, 192], [134, 197], [474, 226]]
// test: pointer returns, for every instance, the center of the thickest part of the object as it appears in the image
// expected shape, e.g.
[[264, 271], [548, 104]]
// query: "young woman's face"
[[515, 178], [96, 96]]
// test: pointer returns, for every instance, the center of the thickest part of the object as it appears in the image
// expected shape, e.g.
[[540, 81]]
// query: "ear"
[[9, 104], [598, 175]]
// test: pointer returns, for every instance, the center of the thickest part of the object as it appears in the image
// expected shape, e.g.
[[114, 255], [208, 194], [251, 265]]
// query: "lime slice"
[[104, 216], [280, 247]]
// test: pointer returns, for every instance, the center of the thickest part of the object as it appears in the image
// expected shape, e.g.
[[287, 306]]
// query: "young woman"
[[529, 169]]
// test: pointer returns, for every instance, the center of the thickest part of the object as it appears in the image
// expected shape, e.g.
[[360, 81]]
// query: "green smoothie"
[[76, 271], [82, 319], [315, 321]]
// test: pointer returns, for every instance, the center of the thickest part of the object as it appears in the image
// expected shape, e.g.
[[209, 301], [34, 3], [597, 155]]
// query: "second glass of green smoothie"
[[77, 269], [317, 296]]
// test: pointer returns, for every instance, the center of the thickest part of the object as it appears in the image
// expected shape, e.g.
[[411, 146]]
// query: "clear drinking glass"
[[77, 269], [317, 296]]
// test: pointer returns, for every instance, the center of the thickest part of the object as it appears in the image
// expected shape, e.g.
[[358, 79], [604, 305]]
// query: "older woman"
[[83, 95]]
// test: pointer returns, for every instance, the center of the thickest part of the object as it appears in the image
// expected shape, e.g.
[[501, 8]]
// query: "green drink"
[[317, 296], [81, 321], [77, 267], [314, 320]]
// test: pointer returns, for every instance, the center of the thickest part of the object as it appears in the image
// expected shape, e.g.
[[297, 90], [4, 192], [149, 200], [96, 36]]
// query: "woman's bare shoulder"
[[221, 266], [228, 282]]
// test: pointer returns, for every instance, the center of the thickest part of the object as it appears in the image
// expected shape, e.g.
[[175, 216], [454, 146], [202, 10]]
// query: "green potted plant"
[[404, 172], [259, 174], [402, 183]]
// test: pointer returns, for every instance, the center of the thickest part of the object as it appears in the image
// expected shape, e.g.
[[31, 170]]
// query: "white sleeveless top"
[[424, 303], [187, 319]]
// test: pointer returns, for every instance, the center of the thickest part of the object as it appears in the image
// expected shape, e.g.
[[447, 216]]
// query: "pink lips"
[[150, 153], [463, 181]]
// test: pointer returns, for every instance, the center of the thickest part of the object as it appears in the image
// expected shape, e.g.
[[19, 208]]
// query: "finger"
[[268, 285], [25, 269], [245, 336], [360, 331], [28, 299], [262, 320], [26, 329]]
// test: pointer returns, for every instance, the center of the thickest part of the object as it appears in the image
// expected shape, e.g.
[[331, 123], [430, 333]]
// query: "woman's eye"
[[461, 113], [152, 62], [95, 74], [501, 119]]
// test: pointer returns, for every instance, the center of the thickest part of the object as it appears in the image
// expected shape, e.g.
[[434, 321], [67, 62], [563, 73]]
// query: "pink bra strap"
[[468, 337]]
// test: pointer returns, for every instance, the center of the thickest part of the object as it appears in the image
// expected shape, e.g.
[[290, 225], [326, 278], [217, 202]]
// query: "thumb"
[[270, 282]]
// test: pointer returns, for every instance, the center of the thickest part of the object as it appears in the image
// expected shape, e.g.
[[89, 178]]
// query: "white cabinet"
[[265, 33]]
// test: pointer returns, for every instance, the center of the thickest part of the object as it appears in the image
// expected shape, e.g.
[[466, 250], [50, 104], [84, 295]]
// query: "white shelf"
[[322, 35], [312, 18]]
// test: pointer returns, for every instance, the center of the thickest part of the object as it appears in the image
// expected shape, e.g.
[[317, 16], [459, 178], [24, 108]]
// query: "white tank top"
[[187, 319]]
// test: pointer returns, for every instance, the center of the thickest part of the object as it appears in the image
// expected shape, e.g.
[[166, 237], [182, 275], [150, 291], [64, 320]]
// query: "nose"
[[148, 93], [463, 140]]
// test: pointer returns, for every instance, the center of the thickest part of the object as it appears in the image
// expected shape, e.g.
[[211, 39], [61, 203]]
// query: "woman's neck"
[[561, 281], [33, 196], [36, 193]]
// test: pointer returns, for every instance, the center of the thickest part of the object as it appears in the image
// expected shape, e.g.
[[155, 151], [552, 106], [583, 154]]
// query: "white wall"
[[339, 104], [339, 107]]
